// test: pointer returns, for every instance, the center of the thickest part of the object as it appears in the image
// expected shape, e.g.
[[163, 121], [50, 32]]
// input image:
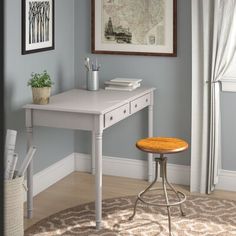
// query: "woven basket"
[[13, 207]]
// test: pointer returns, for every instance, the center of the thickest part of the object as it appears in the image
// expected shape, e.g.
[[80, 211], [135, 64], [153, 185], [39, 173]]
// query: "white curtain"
[[216, 43]]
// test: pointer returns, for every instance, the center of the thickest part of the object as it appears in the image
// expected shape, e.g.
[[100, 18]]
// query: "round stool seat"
[[162, 145]]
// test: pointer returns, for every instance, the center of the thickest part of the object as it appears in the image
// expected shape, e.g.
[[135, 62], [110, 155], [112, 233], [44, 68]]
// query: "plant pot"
[[41, 95]]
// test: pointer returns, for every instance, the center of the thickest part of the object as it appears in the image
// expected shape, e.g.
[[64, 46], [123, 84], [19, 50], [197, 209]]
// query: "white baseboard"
[[178, 174], [52, 174], [113, 166], [227, 180]]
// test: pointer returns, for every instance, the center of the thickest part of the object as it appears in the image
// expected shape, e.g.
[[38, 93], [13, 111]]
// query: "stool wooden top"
[[162, 145]]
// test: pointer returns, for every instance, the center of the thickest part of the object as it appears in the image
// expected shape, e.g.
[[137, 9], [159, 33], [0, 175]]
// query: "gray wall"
[[228, 114], [171, 77], [52, 144]]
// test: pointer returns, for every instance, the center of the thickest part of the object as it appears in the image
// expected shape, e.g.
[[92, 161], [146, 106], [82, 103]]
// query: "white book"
[[26, 161], [127, 80], [119, 88], [125, 84]]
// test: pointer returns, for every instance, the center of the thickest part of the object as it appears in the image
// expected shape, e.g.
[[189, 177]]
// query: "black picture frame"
[[38, 26], [102, 19]]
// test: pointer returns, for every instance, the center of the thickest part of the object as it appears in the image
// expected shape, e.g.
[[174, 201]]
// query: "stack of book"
[[122, 84]]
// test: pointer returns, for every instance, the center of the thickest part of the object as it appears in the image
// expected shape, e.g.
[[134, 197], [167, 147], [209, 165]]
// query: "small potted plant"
[[41, 87]]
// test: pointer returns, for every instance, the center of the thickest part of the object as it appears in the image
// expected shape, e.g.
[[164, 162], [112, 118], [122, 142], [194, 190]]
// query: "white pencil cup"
[[13, 207], [92, 80]]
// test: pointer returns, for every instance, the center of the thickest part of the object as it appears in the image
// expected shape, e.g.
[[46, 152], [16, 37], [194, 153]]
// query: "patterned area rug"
[[204, 216]]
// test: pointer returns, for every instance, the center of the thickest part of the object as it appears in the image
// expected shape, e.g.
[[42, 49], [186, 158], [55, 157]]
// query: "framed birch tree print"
[[37, 26], [135, 27]]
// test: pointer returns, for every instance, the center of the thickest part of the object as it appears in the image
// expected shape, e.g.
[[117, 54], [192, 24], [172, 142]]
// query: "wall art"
[[37, 26], [135, 27]]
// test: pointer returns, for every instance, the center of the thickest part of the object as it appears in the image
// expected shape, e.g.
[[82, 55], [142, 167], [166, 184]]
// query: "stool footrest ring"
[[183, 196]]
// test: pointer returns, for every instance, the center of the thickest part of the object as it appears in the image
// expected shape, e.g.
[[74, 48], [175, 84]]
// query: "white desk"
[[88, 110]]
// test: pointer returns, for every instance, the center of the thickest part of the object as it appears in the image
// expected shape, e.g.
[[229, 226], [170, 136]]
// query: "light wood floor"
[[78, 188]]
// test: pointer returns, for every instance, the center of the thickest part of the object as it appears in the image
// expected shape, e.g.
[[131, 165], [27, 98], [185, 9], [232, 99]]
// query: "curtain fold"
[[214, 44], [223, 51]]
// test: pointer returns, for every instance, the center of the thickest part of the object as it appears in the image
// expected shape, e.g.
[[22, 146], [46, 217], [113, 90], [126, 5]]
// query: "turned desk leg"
[[29, 136], [29, 176], [93, 154], [98, 169], [150, 134], [98, 179]]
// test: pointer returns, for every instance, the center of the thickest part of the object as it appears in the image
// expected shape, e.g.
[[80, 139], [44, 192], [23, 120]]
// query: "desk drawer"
[[116, 115], [140, 103]]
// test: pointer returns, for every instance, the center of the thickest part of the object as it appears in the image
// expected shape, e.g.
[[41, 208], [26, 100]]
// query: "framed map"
[[134, 27]]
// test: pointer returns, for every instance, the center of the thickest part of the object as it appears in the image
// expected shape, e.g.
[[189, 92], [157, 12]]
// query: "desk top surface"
[[90, 102]]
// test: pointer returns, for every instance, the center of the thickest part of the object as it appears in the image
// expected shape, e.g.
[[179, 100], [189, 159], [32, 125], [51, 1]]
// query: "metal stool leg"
[[174, 190], [135, 205], [154, 181], [163, 166]]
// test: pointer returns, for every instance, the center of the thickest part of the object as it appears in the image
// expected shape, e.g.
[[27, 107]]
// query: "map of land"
[[134, 21]]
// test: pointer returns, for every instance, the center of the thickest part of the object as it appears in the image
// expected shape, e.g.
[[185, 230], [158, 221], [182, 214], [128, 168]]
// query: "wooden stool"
[[162, 145]]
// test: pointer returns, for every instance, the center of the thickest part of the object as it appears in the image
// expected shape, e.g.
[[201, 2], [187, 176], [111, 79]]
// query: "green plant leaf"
[[40, 80]]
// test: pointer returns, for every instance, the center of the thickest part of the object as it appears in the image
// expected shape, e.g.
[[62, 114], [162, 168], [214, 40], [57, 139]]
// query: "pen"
[[94, 66]]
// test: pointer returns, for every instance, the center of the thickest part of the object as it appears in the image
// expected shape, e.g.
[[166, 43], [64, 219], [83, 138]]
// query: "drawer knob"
[[124, 111], [146, 100], [135, 105], [111, 118]]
